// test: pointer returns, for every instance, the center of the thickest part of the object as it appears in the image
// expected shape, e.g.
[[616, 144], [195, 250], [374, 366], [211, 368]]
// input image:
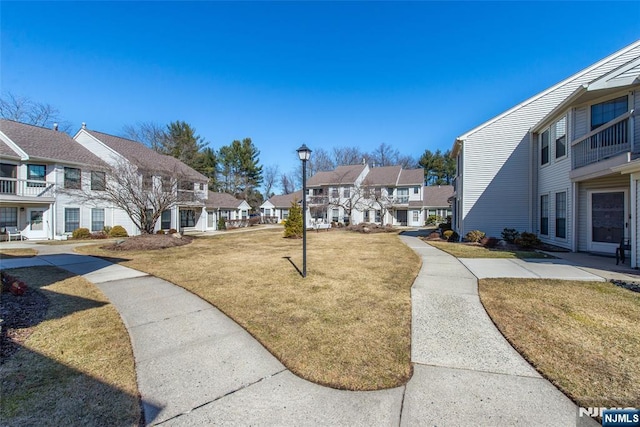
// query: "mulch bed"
[[149, 242], [634, 287], [19, 314], [365, 227]]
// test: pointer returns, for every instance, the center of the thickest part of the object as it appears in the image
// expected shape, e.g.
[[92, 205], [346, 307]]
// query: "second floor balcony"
[[11, 188], [602, 143]]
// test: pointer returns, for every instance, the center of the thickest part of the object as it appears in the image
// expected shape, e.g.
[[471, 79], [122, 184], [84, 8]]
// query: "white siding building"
[[509, 177]]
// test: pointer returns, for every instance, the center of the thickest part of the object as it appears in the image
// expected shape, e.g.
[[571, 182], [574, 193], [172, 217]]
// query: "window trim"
[[95, 181], [93, 220], [67, 181], [543, 148], [556, 139], [557, 217], [67, 222], [542, 231]]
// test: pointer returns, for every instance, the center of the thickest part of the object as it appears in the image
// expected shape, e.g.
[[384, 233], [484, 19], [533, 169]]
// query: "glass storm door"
[[36, 228], [608, 226]]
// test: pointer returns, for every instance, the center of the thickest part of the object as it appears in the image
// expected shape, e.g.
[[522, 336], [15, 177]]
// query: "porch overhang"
[[599, 169]]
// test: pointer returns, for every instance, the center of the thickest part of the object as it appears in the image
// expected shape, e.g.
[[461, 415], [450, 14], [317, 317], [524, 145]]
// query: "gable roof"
[[411, 177], [44, 144], [222, 200], [437, 195], [384, 176], [144, 157], [626, 75], [342, 175], [284, 200], [458, 140]]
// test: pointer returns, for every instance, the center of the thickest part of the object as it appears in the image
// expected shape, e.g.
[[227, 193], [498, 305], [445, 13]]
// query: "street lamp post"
[[304, 153]]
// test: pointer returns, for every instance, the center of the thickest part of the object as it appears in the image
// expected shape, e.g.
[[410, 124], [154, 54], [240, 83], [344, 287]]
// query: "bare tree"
[[320, 161], [150, 134], [269, 177], [374, 197], [384, 155], [142, 194], [287, 183], [347, 156], [25, 110]]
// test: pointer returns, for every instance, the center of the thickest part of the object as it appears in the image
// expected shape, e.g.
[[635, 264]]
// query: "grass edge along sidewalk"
[[76, 366]]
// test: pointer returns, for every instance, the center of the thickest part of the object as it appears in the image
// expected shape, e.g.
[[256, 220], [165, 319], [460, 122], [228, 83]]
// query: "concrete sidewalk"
[[195, 366]]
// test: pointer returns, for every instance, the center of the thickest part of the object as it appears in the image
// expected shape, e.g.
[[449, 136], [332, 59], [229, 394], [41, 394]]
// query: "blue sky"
[[413, 75]]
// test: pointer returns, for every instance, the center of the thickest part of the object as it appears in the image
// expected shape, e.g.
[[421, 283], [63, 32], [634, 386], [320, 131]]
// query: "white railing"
[[606, 141], [26, 187]]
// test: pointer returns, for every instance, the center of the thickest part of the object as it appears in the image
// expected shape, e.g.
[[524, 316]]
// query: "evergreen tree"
[[293, 224], [180, 141], [240, 171], [207, 164], [439, 168]]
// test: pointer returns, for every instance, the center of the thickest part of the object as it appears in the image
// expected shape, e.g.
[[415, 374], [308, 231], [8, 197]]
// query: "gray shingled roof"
[[342, 175], [221, 200], [383, 176], [437, 195], [47, 144], [411, 177], [284, 200], [146, 158], [7, 152]]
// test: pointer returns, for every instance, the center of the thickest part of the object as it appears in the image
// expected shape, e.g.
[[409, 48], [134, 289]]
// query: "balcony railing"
[[318, 200], [26, 187], [603, 142]]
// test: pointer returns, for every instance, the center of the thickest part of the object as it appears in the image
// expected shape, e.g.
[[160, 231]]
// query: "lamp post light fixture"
[[304, 153]]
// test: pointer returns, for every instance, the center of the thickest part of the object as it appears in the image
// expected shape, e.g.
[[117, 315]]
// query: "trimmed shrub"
[[81, 233], [474, 236], [454, 237], [489, 242], [433, 219], [527, 240], [447, 234], [160, 232], [118, 231], [99, 235], [222, 224], [172, 231], [510, 235]]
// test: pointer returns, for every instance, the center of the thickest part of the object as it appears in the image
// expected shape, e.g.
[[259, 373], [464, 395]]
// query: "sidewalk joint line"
[[540, 377], [223, 396], [404, 392]]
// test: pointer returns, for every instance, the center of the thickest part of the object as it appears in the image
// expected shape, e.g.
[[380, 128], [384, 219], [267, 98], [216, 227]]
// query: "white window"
[[416, 216], [560, 129], [97, 219], [403, 195], [8, 217], [71, 219], [561, 215], [544, 147]]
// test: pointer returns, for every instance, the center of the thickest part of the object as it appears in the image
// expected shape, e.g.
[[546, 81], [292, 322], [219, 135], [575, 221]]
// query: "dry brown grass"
[[347, 325], [17, 252], [77, 366], [464, 250], [583, 336]]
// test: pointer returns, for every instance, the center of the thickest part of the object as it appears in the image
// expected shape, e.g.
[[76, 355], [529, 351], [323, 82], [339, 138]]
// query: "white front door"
[[608, 219], [36, 227]]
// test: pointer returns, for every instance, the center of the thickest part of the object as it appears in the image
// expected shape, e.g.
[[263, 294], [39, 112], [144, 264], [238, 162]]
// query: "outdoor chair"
[[625, 245], [13, 232]]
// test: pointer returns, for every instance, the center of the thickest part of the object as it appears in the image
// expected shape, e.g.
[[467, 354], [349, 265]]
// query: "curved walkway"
[[196, 367]]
